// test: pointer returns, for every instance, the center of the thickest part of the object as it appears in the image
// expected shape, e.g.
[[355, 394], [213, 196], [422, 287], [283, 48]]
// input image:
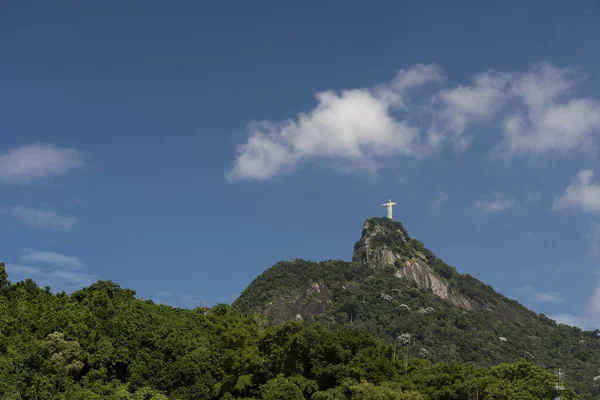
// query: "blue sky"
[[182, 150]]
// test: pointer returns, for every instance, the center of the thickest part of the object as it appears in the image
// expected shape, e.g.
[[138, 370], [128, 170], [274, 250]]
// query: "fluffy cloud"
[[468, 104], [37, 161], [40, 219], [360, 127], [356, 126], [494, 203], [50, 257], [548, 119], [582, 194]]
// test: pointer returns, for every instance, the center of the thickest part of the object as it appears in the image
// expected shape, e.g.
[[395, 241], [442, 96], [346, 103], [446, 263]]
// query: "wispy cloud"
[[50, 257], [40, 219], [37, 161], [190, 300], [588, 318], [57, 277], [165, 294], [594, 240], [49, 268], [548, 297], [540, 297], [494, 203], [440, 200], [532, 198], [594, 303], [574, 320], [582, 194]]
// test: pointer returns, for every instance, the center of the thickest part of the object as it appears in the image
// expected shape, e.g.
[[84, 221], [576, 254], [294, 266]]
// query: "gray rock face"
[[316, 300], [422, 274], [382, 247], [368, 253]]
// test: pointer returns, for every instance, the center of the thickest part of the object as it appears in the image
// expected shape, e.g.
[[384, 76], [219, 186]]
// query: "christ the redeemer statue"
[[389, 206]]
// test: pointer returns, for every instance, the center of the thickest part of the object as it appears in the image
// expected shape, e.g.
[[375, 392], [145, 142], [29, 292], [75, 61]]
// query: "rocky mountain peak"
[[384, 243]]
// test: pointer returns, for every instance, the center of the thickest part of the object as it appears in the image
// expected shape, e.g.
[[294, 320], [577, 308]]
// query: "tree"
[[4, 282], [283, 387]]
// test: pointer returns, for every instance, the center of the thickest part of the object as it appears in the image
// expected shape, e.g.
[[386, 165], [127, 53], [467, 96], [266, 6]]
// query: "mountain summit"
[[386, 244], [300, 289], [395, 286]]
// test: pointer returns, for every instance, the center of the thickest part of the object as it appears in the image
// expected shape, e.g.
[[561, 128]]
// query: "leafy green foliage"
[[373, 299], [103, 343]]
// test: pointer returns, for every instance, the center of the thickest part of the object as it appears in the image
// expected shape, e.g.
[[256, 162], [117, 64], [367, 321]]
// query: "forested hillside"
[[103, 343], [396, 287]]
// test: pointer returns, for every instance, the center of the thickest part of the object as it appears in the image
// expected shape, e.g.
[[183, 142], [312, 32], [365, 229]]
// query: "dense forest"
[[102, 342], [489, 329]]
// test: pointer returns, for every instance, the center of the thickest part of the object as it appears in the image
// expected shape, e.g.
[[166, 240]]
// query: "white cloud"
[[468, 104], [494, 203], [548, 297], [540, 297], [549, 119], [393, 93], [165, 294], [361, 127], [57, 278], [30, 272], [37, 161], [40, 219], [355, 126], [573, 320], [582, 194], [50, 257]]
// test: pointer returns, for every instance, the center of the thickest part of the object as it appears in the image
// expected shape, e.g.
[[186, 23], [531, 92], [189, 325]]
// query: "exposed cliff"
[[385, 243], [317, 299]]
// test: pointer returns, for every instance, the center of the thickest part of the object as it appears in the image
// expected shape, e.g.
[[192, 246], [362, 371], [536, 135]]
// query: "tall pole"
[[559, 387]]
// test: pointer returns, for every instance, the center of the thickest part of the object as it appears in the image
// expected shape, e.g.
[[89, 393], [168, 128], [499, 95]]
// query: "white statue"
[[389, 206]]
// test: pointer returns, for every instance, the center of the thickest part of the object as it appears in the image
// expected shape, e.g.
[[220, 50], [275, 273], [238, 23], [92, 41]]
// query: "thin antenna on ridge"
[[559, 386]]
